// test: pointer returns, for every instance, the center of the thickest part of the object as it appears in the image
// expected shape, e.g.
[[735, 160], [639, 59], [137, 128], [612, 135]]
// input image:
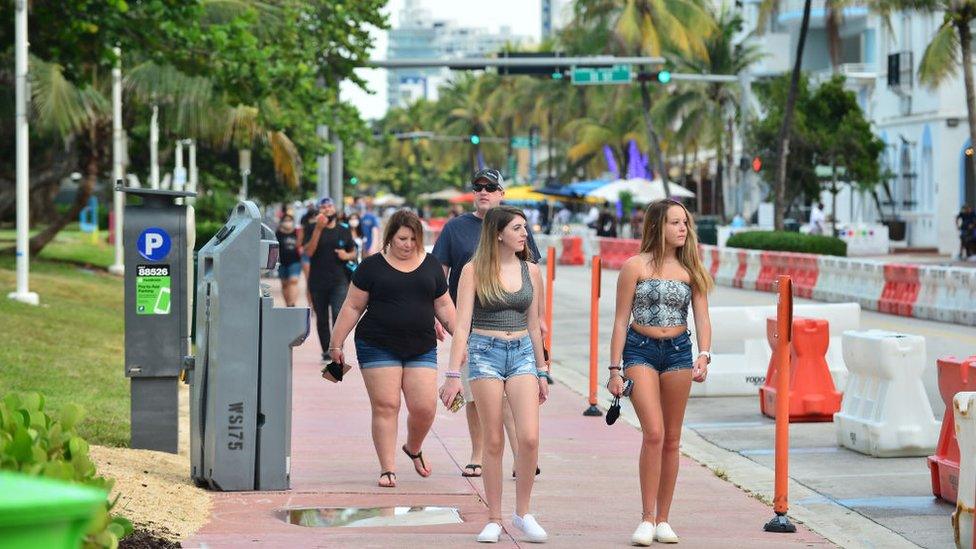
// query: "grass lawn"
[[73, 246], [70, 348]]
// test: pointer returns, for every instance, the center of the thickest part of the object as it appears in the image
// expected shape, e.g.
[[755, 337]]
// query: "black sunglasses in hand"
[[490, 187]]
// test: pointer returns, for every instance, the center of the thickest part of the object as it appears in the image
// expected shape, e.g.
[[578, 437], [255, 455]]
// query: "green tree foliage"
[[829, 129]]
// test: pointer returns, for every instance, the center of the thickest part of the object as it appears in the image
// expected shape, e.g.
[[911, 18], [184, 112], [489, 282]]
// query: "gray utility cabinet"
[[158, 236], [240, 394]]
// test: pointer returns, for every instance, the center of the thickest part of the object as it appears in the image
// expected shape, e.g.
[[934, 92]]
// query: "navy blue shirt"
[[367, 223], [457, 243]]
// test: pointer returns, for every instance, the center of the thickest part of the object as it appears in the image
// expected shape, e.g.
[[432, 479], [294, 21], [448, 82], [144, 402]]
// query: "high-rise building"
[[419, 34]]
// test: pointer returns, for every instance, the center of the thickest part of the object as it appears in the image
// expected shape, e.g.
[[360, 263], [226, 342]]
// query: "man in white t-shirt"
[[817, 219]]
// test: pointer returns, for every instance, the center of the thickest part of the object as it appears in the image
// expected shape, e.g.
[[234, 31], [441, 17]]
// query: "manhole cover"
[[358, 517]]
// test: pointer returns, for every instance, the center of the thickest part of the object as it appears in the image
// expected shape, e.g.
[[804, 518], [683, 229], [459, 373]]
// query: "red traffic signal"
[[756, 164]]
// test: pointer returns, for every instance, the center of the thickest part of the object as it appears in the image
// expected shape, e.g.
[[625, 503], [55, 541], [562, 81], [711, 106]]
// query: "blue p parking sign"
[[153, 244]]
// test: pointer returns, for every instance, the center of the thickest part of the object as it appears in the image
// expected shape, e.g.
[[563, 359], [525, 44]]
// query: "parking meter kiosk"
[[158, 235], [240, 394]]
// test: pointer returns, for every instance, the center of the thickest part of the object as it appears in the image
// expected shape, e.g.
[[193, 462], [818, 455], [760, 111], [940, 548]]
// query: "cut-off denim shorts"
[[496, 358], [664, 355], [372, 356]]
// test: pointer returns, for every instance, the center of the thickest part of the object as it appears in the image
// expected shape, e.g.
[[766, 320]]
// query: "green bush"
[[785, 241], [36, 443]]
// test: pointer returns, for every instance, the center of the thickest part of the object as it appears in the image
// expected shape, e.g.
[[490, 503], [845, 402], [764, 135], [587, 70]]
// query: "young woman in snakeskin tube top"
[[651, 346]]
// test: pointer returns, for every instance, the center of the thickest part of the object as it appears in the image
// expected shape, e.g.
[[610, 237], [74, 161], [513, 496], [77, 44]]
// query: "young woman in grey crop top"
[[498, 325], [651, 347]]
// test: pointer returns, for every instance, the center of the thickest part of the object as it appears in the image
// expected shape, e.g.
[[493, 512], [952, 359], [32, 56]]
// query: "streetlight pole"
[[154, 148], [118, 265], [244, 163], [23, 293]]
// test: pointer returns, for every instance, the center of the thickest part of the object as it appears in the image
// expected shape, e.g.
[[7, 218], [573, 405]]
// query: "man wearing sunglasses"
[[454, 248]]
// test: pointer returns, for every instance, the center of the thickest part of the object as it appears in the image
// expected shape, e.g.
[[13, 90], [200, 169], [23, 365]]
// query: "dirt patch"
[[155, 491], [157, 494], [143, 539]]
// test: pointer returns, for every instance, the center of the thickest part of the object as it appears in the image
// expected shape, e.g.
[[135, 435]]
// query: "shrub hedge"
[[785, 241]]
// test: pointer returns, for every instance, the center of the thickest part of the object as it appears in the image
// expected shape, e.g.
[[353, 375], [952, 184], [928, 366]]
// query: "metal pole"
[[322, 175], [335, 167], [118, 265], [179, 175], [154, 148], [192, 186], [595, 274], [23, 293]]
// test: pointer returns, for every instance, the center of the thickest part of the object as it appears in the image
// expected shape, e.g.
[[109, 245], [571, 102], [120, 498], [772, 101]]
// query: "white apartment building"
[[925, 130], [420, 34]]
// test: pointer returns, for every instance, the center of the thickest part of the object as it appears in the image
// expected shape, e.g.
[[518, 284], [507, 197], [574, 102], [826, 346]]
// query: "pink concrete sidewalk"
[[587, 494]]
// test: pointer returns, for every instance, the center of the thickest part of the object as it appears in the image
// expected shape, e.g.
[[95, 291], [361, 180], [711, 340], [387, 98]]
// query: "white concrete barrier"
[[964, 410], [740, 351], [728, 264], [867, 283], [829, 277], [886, 412], [932, 282], [964, 282], [753, 266]]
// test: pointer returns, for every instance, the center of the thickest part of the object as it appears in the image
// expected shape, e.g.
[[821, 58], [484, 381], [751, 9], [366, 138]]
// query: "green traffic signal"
[[664, 77], [353, 180], [557, 75], [475, 139]]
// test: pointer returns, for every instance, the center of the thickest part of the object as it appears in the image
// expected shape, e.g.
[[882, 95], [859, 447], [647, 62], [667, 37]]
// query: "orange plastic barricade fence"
[[550, 279], [955, 376], [900, 289], [594, 332], [572, 251], [812, 395], [615, 251], [783, 328]]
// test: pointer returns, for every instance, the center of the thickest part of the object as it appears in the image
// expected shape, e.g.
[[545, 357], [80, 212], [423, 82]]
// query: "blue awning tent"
[[578, 189]]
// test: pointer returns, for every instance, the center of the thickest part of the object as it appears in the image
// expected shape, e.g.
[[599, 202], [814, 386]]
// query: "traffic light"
[[661, 77], [756, 164], [551, 70], [475, 139], [354, 180]]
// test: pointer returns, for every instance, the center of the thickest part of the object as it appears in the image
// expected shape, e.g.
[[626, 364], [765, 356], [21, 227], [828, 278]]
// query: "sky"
[[521, 15]]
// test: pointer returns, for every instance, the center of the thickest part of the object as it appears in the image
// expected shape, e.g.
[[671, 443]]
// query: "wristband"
[[335, 348], [451, 374], [613, 368]]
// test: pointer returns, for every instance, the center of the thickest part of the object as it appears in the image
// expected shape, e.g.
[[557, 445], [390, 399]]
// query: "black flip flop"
[[537, 471], [414, 457], [471, 466], [389, 475]]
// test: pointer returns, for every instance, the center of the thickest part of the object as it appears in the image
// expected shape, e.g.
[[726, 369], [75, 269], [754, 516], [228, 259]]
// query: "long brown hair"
[[408, 219], [653, 243], [486, 263]]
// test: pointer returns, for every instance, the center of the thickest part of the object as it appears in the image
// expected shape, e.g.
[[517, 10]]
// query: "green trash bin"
[[40, 512]]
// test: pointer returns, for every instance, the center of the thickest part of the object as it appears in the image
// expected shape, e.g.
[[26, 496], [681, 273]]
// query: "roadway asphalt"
[[852, 499]]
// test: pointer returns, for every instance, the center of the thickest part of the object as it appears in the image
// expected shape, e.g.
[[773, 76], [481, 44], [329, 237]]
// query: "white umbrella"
[[643, 191], [444, 194], [389, 200]]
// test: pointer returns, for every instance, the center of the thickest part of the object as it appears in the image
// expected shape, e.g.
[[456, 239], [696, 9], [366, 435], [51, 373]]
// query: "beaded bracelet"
[[452, 374]]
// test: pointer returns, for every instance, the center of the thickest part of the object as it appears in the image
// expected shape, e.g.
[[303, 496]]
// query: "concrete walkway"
[[587, 494]]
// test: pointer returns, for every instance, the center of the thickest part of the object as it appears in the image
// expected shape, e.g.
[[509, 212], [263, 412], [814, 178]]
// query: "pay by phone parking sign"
[[154, 244]]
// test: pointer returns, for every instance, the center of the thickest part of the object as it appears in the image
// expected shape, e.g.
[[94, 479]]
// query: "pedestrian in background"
[[655, 289], [289, 259], [454, 248], [401, 290], [498, 327], [330, 247]]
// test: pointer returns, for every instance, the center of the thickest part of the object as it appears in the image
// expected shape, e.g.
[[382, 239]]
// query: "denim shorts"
[[664, 355], [292, 270], [496, 358], [372, 356]]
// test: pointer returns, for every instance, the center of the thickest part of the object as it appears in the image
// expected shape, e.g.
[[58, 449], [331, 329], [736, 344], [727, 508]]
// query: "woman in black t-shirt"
[[289, 259], [400, 290]]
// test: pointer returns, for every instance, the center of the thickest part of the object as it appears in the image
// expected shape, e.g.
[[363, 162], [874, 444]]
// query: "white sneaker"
[[490, 533], [528, 526], [643, 535], [664, 533]]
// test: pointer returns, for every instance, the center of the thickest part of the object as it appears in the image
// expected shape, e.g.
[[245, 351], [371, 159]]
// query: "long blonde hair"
[[653, 243], [486, 262]]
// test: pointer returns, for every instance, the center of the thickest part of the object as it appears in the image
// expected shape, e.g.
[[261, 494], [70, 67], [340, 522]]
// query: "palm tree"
[[617, 128], [651, 27], [463, 106], [951, 47], [707, 110]]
